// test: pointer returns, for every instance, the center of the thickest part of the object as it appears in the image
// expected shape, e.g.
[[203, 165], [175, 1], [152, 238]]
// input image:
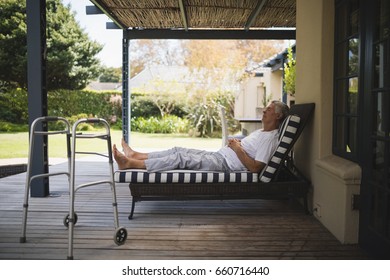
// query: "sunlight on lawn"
[[15, 145]]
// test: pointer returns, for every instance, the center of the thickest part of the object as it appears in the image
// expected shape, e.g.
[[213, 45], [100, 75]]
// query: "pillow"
[[288, 129]]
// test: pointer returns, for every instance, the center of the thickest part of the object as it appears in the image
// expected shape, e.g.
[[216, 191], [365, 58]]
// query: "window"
[[346, 79]]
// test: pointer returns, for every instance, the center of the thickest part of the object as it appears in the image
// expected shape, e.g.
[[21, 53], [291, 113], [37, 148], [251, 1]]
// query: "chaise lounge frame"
[[286, 182]]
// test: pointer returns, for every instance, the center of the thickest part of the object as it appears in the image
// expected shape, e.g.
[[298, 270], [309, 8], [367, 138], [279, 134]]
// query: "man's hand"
[[251, 164], [234, 144]]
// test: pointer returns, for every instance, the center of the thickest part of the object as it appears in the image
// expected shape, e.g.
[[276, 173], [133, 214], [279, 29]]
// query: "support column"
[[37, 91], [126, 93]]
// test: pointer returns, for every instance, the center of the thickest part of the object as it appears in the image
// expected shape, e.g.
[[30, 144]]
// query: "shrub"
[[204, 112], [10, 127], [13, 104], [141, 106], [167, 124], [82, 126], [201, 113], [68, 103], [63, 103]]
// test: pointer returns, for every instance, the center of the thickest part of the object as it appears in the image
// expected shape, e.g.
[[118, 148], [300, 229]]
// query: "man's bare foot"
[[127, 162], [127, 150], [121, 159]]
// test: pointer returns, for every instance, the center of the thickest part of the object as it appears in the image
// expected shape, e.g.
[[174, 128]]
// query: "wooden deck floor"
[[242, 229]]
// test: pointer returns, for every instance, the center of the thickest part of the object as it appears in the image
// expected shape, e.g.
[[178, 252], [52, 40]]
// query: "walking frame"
[[71, 218]]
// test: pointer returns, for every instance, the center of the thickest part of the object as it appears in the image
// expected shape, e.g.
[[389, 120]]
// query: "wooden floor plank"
[[237, 229]]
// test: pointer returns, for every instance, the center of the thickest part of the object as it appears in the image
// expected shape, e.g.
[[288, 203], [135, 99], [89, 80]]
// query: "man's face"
[[269, 113]]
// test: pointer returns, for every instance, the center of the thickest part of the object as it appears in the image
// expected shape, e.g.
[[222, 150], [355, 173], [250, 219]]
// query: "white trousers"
[[183, 158]]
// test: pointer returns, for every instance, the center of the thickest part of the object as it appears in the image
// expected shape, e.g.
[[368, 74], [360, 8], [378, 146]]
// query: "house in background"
[[98, 86], [173, 78], [152, 78], [180, 79], [264, 83], [276, 64]]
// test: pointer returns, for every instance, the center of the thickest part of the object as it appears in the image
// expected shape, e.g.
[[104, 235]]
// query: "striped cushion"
[[286, 136], [182, 176]]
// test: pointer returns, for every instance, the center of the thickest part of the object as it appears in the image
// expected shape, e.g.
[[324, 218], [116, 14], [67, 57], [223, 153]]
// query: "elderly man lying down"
[[249, 154]]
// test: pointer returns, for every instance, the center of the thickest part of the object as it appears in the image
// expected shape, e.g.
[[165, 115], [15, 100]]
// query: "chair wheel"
[[120, 236], [66, 220]]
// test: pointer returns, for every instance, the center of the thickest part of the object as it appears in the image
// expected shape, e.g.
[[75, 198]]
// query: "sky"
[[95, 26]]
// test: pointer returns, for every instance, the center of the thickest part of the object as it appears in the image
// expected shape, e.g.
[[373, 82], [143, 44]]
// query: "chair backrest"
[[290, 131], [224, 126]]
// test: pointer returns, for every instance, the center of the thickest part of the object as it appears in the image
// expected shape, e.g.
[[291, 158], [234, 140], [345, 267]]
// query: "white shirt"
[[259, 145]]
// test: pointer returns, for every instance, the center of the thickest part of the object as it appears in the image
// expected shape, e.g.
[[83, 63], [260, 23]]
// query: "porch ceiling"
[[200, 14]]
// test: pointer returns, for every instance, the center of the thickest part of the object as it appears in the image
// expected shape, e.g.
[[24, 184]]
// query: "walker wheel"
[[66, 220], [120, 236]]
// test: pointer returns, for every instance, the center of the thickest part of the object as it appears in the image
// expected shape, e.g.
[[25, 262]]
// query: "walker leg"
[[71, 226], [70, 236], [27, 185], [25, 208], [22, 239], [113, 190], [120, 235], [72, 195]]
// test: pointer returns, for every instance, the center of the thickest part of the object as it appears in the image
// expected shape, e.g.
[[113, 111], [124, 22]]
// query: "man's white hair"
[[281, 108]]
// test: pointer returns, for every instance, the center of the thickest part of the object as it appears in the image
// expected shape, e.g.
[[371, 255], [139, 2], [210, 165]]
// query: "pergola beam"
[[183, 14], [207, 34], [111, 16], [255, 13], [93, 10]]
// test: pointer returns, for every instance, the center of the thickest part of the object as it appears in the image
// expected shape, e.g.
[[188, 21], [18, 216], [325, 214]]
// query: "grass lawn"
[[15, 145]]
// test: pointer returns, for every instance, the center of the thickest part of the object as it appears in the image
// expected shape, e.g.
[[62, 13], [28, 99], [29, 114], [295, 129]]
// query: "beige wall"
[[334, 180], [247, 97], [314, 55], [251, 93], [276, 84]]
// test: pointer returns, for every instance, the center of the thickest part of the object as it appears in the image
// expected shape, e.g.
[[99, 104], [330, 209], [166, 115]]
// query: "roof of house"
[[277, 61], [98, 86], [175, 79]]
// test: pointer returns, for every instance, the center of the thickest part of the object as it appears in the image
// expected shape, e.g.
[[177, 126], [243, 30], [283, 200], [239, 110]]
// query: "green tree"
[[146, 52], [165, 96], [13, 28], [71, 55], [289, 73], [110, 75]]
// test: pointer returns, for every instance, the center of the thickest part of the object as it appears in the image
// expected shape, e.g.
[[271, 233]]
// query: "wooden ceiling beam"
[[211, 34]]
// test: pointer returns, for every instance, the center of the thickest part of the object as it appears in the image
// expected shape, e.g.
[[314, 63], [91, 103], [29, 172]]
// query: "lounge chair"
[[280, 179]]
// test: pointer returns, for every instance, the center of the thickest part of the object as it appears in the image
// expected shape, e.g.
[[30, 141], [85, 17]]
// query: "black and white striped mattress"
[[182, 176]]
